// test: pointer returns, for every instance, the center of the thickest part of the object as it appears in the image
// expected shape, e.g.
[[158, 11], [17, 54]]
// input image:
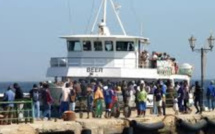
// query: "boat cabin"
[[101, 51]]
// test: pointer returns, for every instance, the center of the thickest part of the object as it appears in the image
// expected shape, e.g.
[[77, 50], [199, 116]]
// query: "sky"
[[30, 31]]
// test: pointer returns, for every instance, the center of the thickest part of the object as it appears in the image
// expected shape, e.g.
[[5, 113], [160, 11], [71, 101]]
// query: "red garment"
[[114, 100], [48, 96]]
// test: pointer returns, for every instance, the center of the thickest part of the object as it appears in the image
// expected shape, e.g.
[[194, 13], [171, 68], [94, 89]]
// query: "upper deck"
[[101, 51]]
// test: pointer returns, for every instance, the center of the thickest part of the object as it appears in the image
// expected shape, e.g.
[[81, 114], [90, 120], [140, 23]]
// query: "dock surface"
[[102, 126]]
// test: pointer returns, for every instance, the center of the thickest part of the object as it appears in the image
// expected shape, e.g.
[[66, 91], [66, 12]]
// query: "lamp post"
[[203, 51]]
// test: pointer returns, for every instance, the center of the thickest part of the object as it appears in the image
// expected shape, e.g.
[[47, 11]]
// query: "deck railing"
[[16, 112], [163, 67], [93, 61]]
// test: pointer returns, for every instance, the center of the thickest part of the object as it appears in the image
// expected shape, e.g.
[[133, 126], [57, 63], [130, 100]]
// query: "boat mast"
[[103, 29]]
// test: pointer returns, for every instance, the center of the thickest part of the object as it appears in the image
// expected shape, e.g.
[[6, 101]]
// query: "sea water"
[[27, 86]]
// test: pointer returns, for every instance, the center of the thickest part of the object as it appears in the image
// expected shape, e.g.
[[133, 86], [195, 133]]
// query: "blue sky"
[[29, 31]]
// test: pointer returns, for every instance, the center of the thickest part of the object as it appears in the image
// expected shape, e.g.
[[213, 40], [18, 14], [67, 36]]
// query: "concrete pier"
[[101, 126]]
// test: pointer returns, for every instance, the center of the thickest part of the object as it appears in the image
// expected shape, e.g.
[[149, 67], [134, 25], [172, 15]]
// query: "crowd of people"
[[96, 92], [150, 61], [40, 96]]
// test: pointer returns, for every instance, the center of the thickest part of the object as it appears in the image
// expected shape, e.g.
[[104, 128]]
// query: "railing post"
[[32, 110]]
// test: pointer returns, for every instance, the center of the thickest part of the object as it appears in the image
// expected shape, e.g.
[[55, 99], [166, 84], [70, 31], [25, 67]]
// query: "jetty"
[[103, 126]]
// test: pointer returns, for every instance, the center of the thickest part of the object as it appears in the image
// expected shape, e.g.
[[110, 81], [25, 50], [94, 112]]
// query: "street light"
[[211, 41], [203, 50], [192, 41]]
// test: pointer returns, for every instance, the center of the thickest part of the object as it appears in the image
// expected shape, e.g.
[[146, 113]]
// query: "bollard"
[[183, 127], [127, 130], [86, 131], [210, 128], [69, 116], [153, 128]]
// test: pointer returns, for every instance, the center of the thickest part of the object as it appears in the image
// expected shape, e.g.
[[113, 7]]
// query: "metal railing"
[[16, 112], [162, 69], [92, 61]]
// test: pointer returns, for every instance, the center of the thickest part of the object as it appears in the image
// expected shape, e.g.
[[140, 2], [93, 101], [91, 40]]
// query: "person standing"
[[19, 97], [35, 96], [210, 95], [9, 96], [124, 89], [47, 101], [98, 98], [73, 96], [155, 109], [187, 109], [89, 100], [142, 98], [164, 89], [180, 97], [197, 95], [64, 99], [158, 94], [108, 93], [136, 92]]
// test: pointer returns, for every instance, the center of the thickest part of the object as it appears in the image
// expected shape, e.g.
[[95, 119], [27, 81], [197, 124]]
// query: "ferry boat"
[[115, 57]]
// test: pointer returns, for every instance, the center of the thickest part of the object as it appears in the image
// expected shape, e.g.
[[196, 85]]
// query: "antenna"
[[70, 15], [141, 28], [105, 12]]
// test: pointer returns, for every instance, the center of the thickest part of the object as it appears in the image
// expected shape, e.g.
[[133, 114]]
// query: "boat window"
[[109, 45], [98, 46], [86, 45], [74, 46], [124, 46]]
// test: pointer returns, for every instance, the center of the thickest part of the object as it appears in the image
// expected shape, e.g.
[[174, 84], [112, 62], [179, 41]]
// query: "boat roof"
[[103, 36]]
